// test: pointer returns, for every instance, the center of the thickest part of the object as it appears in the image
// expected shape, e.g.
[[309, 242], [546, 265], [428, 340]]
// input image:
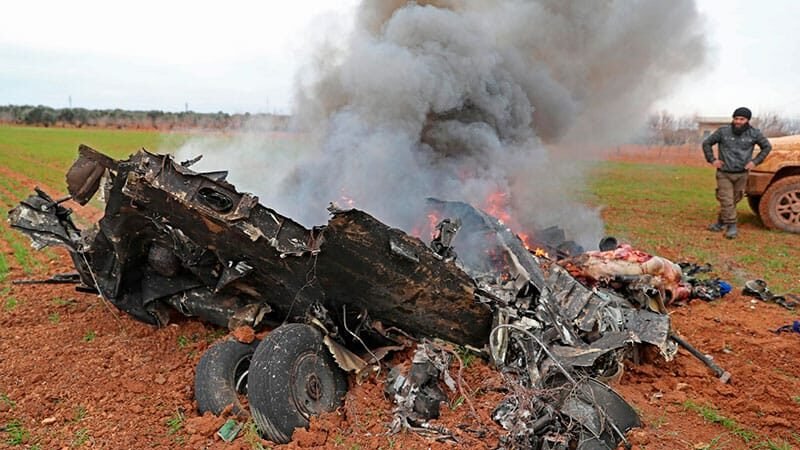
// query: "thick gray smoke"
[[474, 100]]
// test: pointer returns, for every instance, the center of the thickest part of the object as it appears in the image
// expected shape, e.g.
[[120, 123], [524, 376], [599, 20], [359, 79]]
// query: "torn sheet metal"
[[366, 265], [442, 243], [45, 221], [605, 417], [481, 235], [566, 336], [169, 235], [347, 360], [174, 238], [418, 394], [400, 249], [651, 328], [586, 415], [86, 173], [222, 310], [587, 355]]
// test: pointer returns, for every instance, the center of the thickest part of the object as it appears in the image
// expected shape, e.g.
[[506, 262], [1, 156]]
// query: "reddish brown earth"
[[75, 372]]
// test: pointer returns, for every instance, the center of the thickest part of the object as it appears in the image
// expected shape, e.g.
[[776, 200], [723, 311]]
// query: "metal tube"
[[722, 374]]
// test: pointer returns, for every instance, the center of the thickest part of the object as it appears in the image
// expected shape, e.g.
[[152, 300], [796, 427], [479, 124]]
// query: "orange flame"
[[428, 228], [497, 204], [433, 220], [526, 240]]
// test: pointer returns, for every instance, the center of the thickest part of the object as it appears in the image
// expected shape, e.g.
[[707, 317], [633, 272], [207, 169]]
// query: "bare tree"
[[774, 125], [666, 129]]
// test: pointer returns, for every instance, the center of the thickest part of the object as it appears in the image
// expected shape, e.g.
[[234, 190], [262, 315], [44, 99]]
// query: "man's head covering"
[[743, 112]]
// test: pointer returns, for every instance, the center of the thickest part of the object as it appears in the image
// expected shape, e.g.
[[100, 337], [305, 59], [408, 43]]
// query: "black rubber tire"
[[780, 205], [221, 375], [753, 201], [292, 377]]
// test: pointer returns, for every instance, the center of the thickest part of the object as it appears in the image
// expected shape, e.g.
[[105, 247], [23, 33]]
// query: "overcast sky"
[[240, 56]]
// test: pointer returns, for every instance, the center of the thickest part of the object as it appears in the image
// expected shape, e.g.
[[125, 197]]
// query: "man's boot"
[[716, 226], [731, 232]]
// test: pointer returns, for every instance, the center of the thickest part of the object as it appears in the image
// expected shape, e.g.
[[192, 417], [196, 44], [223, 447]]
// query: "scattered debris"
[[723, 375], [759, 289], [59, 278], [229, 430], [793, 327], [175, 239], [418, 394], [557, 329], [585, 414], [442, 242], [703, 287]]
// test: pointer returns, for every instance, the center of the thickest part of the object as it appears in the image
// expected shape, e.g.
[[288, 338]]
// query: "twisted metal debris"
[[174, 238]]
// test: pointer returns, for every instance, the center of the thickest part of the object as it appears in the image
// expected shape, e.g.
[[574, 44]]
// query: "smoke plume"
[[471, 100]]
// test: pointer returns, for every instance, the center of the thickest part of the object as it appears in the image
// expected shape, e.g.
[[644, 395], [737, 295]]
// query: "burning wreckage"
[[343, 295]]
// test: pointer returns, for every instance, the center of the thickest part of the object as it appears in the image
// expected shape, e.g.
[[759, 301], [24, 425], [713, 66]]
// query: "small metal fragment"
[[229, 430]]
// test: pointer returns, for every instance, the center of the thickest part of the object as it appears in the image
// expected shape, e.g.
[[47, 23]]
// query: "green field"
[[664, 209], [45, 154], [659, 208]]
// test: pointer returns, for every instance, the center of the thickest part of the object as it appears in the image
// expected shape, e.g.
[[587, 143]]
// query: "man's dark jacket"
[[736, 151]]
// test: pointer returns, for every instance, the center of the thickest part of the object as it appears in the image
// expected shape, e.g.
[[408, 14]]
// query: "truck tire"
[[292, 377], [780, 205], [222, 375], [753, 201]]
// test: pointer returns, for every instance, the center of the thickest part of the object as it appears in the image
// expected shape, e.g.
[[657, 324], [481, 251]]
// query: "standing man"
[[735, 157]]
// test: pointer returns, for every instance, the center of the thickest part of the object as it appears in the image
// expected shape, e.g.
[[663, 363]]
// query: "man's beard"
[[738, 130]]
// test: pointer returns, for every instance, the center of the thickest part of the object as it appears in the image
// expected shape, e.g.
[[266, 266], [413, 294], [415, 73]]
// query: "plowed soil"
[[77, 373]]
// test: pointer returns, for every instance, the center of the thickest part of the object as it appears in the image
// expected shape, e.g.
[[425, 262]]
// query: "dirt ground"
[[75, 373]]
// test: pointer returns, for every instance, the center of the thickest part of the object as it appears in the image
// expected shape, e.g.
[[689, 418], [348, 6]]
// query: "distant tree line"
[[664, 128], [46, 116]]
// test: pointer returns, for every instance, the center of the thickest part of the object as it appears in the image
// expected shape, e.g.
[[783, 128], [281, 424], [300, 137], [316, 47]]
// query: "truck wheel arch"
[[779, 207]]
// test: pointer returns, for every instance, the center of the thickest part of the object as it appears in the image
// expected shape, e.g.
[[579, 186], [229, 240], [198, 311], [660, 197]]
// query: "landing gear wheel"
[[222, 375], [292, 377], [753, 201], [780, 205]]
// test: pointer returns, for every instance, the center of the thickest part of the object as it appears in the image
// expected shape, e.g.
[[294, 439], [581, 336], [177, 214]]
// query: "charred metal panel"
[[45, 222], [221, 310], [358, 267], [83, 178], [651, 328], [219, 235], [481, 235]]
